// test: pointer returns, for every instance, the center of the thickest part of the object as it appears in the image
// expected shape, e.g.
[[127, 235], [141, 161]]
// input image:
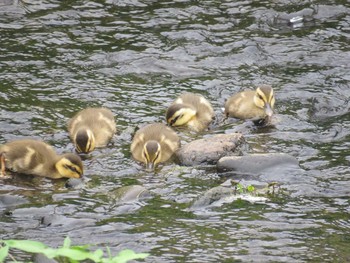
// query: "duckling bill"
[[91, 128], [190, 110], [38, 158], [255, 105], [154, 144]]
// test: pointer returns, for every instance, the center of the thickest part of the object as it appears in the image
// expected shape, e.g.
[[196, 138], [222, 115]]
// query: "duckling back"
[[191, 110], [27, 156], [242, 106], [92, 127]]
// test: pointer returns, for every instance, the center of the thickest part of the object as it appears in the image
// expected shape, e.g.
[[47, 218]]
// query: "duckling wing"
[[241, 105], [29, 157]]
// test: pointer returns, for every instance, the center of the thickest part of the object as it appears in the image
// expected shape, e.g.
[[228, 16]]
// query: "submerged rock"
[[74, 183], [210, 150], [40, 258], [257, 163], [131, 193], [11, 200], [213, 195], [64, 222], [227, 192]]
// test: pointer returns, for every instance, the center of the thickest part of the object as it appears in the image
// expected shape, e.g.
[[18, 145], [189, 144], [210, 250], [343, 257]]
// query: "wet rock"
[[50, 220], [210, 150], [40, 258], [227, 192], [324, 108], [7, 2], [74, 183], [131, 193], [65, 223], [257, 163], [213, 195], [11, 200], [297, 17]]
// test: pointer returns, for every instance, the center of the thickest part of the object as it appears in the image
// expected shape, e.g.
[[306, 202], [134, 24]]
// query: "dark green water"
[[135, 57]]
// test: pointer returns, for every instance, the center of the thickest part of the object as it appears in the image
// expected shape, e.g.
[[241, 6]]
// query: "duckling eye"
[[73, 169], [174, 120], [260, 97]]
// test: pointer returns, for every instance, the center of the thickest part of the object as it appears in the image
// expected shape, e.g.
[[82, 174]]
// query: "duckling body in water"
[[256, 104], [38, 158]]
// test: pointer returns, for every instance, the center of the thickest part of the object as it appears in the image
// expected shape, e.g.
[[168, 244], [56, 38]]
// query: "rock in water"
[[210, 150], [257, 163], [213, 195], [130, 193]]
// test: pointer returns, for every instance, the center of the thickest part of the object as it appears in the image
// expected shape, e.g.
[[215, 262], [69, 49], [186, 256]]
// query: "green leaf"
[[240, 188], [109, 252], [26, 245], [3, 253], [250, 188], [66, 242], [126, 255], [78, 254], [49, 252], [98, 253]]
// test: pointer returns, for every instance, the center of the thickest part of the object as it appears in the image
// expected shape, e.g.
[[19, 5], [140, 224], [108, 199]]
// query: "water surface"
[[135, 57]]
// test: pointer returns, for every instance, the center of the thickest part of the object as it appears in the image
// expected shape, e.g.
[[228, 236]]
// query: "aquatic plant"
[[66, 253]]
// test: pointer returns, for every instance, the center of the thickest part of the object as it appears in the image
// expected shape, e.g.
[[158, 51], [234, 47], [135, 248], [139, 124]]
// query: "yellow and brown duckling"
[[256, 105], [91, 128], [154, 143], [38, 158], [190, 110]]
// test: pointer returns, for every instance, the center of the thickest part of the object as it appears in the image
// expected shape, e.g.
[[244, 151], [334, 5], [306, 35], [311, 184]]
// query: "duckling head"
[[84, 141], [151, 154], [70, 166], [265, 99], [180, 114]]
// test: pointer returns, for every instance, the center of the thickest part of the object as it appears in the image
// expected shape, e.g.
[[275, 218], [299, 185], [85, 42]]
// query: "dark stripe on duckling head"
[[75, 164], [171, 115], [152, 154], [267, 90], [269, 98], [82, 141], [152, 148], [180, 114]]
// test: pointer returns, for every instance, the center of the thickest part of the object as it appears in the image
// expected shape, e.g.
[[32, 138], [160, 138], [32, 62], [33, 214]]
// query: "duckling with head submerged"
[[91, 128], [153, 144], [38, 158], [256, 105], [190, 110]]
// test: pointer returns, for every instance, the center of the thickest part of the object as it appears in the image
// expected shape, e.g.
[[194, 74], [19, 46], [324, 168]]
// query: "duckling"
[[190, 110], [90, 128], [38, 158], [256, 105], [154, 143]]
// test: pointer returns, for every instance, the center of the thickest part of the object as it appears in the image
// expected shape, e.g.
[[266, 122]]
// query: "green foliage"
[[3, 253], [241, 189], [250, 189], [71, 253]]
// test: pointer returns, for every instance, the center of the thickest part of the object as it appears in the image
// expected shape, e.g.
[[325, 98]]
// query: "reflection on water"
[[135, 57]]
